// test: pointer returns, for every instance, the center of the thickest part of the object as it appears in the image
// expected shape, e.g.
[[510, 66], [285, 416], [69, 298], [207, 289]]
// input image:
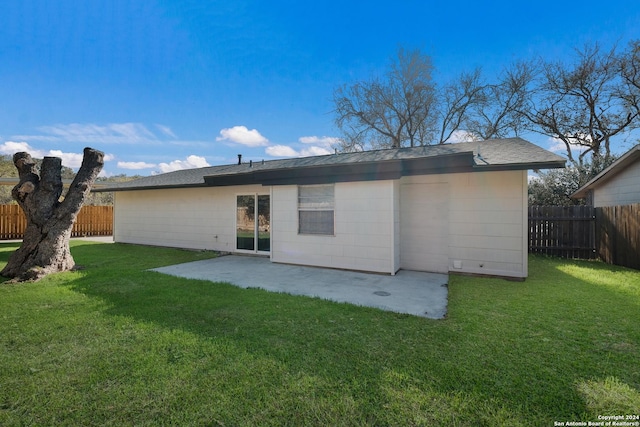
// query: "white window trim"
[[317, 209]]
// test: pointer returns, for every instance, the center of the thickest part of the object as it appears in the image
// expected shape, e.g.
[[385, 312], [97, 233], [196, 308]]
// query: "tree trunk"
[[45, 245]]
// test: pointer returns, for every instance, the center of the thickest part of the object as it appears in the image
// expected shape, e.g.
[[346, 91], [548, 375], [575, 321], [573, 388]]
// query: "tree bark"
[[45, 245]]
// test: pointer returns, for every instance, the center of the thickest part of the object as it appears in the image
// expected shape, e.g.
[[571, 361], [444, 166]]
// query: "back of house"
[[444, 208]]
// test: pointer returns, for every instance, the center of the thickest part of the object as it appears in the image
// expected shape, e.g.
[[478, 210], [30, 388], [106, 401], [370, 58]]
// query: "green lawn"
[[116, 345]]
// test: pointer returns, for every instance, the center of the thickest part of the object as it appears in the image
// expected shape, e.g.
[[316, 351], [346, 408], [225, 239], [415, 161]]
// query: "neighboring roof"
[[616, 167], [490, 155]]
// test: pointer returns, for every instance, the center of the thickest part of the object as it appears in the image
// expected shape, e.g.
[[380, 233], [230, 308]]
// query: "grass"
[[115, 344]]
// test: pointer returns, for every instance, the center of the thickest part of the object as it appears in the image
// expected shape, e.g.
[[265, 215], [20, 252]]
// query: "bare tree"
[[395, 112], [587, 103], [496, 113], [629, 67], [583, 104], [45, 246], [456, 101]]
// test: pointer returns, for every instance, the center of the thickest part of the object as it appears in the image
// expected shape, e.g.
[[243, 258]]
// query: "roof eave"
[[522, 166], [616, 167], [146, 187], [348, 172]]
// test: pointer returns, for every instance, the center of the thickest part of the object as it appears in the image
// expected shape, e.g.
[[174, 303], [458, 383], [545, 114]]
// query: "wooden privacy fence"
[[610, 233], [91, 221], [564, 231], [618, 235]]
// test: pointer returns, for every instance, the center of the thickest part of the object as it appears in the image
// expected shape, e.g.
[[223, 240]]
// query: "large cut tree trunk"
[[45, 245]]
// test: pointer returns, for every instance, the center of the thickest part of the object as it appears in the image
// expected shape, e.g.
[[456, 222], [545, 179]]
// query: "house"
[[453, 207], [619, 184]]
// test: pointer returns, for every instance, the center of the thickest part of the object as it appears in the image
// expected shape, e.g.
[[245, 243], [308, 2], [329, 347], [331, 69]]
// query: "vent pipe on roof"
[[239, 159]]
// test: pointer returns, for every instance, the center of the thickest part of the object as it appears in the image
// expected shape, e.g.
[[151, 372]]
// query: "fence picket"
[[91, 221], [611, 233], [564, 231], [619, 235]]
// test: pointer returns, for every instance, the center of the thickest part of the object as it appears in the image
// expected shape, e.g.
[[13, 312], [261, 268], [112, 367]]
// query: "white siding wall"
[[396, 225], [622, 189], [364, 229], [424, 223], [182, 218], [488, 223]]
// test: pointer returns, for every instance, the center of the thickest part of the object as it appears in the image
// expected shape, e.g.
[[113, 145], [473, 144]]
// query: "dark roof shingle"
[[497, 154]]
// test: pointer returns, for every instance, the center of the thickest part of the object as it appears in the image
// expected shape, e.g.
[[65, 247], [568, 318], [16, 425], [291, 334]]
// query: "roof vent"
[[239, 159]]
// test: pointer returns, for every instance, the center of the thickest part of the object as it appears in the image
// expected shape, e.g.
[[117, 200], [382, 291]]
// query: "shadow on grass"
[[6, 249], [523, 346], [509, 353]]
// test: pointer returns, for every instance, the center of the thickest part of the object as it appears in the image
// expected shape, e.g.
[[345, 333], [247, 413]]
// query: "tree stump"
[[50, 219]]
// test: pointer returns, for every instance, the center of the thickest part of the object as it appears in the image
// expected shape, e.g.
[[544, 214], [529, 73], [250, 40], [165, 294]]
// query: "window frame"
[[331, 207]]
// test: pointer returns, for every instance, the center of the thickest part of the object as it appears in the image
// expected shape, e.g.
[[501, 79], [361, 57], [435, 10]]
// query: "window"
[[315, 209]]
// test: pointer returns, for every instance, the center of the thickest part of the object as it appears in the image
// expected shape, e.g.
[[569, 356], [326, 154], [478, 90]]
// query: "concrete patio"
[[411, 292]]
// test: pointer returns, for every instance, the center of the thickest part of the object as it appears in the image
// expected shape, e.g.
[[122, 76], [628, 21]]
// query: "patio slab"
[[411, 292]]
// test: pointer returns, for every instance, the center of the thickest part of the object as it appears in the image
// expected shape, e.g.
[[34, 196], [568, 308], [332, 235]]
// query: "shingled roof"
[[626, 160], [489, 155]]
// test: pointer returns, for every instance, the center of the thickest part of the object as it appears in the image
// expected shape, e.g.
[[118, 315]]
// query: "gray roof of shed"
[[497, 154]]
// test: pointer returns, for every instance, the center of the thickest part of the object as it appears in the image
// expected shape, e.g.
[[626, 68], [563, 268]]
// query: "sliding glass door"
[[253, 227]]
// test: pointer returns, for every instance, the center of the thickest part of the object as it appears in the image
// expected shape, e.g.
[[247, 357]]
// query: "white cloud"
[[90, 133], [320, 146], [113, 133], [462, 136], [314, 151], [11, 147], [558, 146], [71, 160], [191, 162], [166, 130], [242, 135], [286, 151], [325, 141], [136, 165], [281, 151], [74, 160]]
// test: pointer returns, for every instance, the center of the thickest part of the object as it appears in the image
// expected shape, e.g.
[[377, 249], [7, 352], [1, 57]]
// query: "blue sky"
[[162, 85]]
